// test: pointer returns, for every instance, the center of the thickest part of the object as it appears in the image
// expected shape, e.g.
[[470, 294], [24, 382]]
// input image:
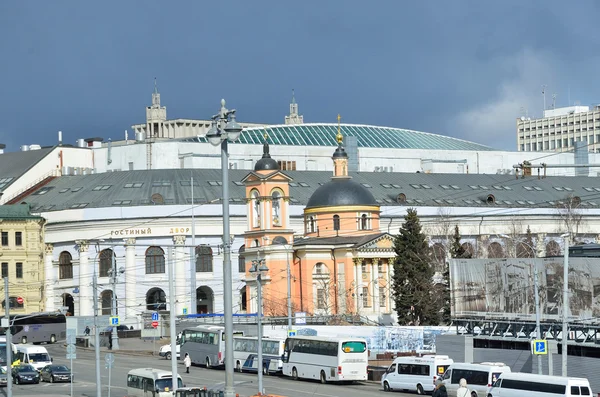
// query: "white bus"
[[415, 373], [3, 352], [205, 345], [326, 359], [533, 385], [245, 354], [36, 356], [147, 382]]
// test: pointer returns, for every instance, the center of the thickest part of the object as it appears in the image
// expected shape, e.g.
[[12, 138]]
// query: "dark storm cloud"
[[463, 69]]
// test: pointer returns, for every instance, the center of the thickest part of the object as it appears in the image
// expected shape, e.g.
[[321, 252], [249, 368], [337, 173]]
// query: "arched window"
[[364, 222], [204, 259], [336, 222], [552, 248], [155, 260], [495, 250], [320, 276], [311, 224], [469, 251], [276, 203], [524, 250], [243, 299], [106, 258], [242, 260], [65, 266], [156, 299], [255, 209], [106, 299]]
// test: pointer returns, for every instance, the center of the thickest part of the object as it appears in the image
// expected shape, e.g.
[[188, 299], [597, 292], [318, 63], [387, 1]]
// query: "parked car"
[[25, 373], [3, 377], [56, 373]]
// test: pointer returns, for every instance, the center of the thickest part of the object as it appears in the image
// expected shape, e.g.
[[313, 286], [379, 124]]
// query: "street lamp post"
[[224, 128], [565, 311], [113, 274], [259, 268]]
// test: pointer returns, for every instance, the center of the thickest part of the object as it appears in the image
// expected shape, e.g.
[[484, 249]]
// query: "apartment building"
[[559, 129], [21, 258]]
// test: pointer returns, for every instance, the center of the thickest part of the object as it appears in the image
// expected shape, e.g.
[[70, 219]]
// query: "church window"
[[336, 222], [255, 209], [311, 224], [276, 203], [365, 222]]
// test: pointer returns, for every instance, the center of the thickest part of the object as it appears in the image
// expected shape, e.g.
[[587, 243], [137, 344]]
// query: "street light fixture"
[[259, 268], [538, 325], [224, 128]]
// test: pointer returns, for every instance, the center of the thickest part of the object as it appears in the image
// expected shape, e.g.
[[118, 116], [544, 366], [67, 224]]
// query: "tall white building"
[[559, 129], [294, 117]]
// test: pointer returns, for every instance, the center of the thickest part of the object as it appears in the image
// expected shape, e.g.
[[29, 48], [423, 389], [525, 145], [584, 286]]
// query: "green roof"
[[367, 137], [16, 211]]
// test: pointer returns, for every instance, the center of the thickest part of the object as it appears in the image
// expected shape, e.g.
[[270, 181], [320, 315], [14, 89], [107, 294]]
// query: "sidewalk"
[[137, 346]]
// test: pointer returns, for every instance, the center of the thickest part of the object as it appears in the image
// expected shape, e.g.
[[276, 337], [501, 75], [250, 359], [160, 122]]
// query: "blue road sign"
[[114, 321], [291, 333], [185, 311], [540, 346], [154, 316]]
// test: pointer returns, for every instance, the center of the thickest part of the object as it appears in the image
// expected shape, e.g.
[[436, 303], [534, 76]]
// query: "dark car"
[[55, 373], [25, 373], [3, 378]]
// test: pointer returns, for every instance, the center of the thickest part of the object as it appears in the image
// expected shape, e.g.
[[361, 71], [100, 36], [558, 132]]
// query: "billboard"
[[504, 288]]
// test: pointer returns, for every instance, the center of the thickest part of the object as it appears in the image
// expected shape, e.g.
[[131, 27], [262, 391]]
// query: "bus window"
[[354, 347]]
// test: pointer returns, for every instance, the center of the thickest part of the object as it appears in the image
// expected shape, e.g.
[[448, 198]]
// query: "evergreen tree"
[[456, 248], [456, 251], [414, 295], [529, 243]]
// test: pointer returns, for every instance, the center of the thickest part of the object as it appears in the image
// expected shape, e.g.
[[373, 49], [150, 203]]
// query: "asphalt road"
[[245, 384]]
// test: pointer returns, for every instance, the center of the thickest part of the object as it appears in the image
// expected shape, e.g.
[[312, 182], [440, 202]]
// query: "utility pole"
[[193, 299], [9, 358], [565, 325], [173, 332], [96, 335], [537, 314], [289, 290], [114, 333]]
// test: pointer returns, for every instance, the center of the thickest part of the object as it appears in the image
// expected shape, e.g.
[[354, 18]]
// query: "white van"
[[518, 384], [165, 351], [37, 356], [146, 382], [415, 373], [480, 377]]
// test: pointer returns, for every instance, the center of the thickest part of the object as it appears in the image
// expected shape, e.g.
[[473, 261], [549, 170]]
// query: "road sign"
[[109, 359], [300, 317], [114, 320], [71, 356], [540, 346], [154, 316], [19, 300], [185, 311], [154, 324], [71, 349], [292, 332]]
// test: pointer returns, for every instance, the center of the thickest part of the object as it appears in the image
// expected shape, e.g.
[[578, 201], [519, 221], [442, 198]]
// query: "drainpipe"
[[335, 287], [301, 283]]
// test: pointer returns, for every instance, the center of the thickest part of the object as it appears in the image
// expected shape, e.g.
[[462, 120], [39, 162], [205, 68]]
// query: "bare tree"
[[571, 218]]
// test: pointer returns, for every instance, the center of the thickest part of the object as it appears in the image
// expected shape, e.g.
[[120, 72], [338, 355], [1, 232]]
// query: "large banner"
[[504, 288]]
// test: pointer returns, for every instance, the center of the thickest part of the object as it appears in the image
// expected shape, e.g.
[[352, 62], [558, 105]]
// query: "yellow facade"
[[21, 258]]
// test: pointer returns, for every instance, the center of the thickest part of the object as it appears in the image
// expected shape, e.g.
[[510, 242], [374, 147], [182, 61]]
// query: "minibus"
[[415, 373]]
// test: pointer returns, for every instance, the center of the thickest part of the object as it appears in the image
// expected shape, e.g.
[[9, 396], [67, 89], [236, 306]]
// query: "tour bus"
[[205, 345], [245, 354], [146, 382], [326, 359], [479, 377], [3, 352], [37, 327], [518, 384], [36, 356], [415, 373]]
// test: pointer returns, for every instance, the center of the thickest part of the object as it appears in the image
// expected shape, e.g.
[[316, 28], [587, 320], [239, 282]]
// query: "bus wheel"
[[420, 390], [386, 386], [294, 373], [207, 362], [24, 339], [52, 338], [168, 356], [473, 394], [323, 378]]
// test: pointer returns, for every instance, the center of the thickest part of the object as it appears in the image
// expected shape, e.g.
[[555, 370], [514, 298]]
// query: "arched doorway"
[[69, 303], [205, 302], [156, 299], [106, 300]]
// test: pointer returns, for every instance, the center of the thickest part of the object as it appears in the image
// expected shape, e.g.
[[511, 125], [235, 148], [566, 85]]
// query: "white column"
[[375, 285], [358, 285], [85, 280], [179, 276], [50, 277], [131, 304]]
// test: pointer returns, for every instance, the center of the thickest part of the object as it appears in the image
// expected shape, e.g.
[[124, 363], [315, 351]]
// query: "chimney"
[[59, 138]]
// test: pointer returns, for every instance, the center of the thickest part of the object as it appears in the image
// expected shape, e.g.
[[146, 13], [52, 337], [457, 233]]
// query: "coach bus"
[[3, 352], [245, 354], [326, 359], [205, 345], [37, 327]]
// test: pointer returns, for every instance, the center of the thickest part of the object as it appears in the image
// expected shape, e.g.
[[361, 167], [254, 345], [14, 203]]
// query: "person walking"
[[187, 361], [463, 390], [440, 389]]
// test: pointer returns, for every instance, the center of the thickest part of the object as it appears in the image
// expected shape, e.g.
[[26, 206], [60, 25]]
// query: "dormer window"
[[336, 222]]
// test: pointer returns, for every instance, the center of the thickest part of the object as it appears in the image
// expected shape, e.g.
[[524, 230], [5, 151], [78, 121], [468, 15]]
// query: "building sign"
[[149, 231], [131, 232]]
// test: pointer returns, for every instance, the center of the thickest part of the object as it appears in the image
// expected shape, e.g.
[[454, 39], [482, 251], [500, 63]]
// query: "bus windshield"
[[43, 357], [354, 347], [166, 384]]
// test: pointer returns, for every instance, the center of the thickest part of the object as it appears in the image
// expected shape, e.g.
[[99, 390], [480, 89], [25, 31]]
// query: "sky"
[[465, 69]]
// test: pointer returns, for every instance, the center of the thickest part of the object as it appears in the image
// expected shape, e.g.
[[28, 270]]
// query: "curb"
[[120, 351]]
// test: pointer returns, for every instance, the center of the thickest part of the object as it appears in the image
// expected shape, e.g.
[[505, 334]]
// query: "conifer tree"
[[456, 251], [413, 275], [456, 248]]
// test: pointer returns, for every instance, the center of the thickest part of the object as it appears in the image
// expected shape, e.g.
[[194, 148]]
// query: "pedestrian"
[[463, 390], [440, 389], [187, 361], [87, 331]]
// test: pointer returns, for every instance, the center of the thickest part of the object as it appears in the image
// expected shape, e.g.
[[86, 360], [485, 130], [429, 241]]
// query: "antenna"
[[569, 97], [544, 95], [554, 100]]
